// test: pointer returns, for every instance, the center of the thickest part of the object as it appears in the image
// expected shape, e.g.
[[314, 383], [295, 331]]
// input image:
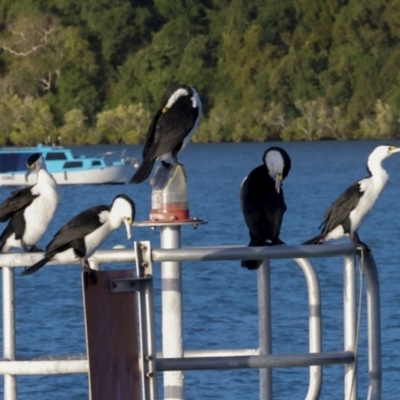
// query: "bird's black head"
[[278, 164], [32, 160]]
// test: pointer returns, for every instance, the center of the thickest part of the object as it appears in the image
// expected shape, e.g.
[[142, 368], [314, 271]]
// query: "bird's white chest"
[[39, 214], [92, 242], [372, 188], [96, 238]]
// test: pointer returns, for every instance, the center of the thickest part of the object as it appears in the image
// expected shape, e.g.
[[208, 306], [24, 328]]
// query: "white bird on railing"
[[29, 210], [79, 238], [347, 212]]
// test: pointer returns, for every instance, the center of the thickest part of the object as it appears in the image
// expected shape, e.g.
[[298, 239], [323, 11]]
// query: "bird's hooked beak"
[[128, 222], [31, 168], [278, 181], [393, 149]]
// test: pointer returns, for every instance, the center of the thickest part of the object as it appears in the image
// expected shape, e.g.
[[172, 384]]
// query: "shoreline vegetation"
[[87, 72]]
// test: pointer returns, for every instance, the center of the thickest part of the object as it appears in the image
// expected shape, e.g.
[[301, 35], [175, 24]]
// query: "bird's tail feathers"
[[253, 264], [143, 172], [36, 266], [315, 240]]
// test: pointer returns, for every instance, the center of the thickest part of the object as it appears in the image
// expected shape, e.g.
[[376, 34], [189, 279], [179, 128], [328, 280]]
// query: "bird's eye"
[[164, 110]]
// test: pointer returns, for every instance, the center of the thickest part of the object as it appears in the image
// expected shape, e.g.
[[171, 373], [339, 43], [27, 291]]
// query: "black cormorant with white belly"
[[262, 200], [346, 214], [79, 238], [171, 130], [29, 210]]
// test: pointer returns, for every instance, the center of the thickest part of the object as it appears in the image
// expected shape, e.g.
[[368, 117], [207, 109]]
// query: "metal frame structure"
[[178, 360]]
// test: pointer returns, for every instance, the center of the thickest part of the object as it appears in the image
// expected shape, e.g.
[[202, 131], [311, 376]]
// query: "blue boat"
[[66, 168]]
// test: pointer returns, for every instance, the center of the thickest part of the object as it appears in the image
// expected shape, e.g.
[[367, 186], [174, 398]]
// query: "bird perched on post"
[[79, 238], [347, 212], [29, 210], [171, 129], [262, 201]]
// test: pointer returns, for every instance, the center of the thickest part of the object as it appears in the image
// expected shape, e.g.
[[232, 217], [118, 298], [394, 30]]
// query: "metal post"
[[147, 335], [315, 332], [264, 326], [374, 327], [172, 326], [10, 382], [350, 326]]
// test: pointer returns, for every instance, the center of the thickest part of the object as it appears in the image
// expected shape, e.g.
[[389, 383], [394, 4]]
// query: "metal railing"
[[175, 358]]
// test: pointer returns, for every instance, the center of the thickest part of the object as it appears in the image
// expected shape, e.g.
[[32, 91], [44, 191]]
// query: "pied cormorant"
[[262, 200], [29, 210], [347, 212], [79, 238], [171, 129]]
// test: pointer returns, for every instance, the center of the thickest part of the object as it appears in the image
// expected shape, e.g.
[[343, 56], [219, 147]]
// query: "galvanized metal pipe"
[[350, 326], [144, 268], [219, 352], [10, 382], [94, 264], [207, 253], [101, 256], [172, 324], [374, 327], [314, 323], [270, 361], [220, 253], [264, 326], [44, 367]]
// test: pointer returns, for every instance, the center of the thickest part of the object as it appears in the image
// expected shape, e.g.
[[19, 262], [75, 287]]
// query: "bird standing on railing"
[[79, 238], [347, 212], [262, 200], [29, 210], [171, 129]]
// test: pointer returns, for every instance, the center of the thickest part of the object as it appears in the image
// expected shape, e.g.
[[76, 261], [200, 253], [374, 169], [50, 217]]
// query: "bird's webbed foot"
[[360, 244], [90, 274], [35, 249]]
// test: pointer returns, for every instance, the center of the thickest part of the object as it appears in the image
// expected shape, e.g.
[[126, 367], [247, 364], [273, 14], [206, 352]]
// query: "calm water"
[[220, 306]]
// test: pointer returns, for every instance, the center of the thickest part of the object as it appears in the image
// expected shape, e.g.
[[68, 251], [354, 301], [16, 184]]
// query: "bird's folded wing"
[[342, 206], [18, 200], [172, 127], [78, 227]]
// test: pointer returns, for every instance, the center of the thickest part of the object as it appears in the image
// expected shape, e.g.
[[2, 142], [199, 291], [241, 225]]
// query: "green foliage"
[[124, 124], [75, 130], [383, 124], [94, 71], [29, 121]]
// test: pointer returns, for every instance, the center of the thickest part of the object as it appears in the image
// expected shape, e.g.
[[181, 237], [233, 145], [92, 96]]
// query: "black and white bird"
[[79, 238], [30, 210], [171, 129], [347, 212], [262, 200]]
